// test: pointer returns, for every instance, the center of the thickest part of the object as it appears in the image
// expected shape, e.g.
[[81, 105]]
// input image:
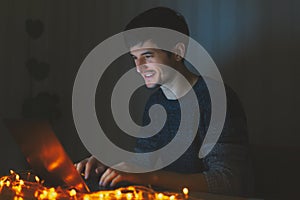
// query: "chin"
[[151, 85]]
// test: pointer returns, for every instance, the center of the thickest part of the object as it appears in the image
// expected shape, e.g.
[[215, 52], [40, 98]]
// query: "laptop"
[[44, 153]]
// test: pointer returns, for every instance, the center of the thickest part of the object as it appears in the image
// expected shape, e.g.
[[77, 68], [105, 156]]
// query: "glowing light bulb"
[[7, 183], [118, 194], [72, 192], [101, 196], [17, 189], [45, 193], [37, 179], [129, 196], [185, 191], [52, 195], [86, 197], [42, 196], [21, 182], [160, 196]]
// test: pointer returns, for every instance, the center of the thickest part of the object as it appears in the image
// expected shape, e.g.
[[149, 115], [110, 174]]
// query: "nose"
[[140, 65]]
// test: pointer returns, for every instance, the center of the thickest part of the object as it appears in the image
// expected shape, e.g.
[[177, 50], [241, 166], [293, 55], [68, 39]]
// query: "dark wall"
[[254, 43]]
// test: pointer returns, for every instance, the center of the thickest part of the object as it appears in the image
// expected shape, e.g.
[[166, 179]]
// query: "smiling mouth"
[[148, 75]]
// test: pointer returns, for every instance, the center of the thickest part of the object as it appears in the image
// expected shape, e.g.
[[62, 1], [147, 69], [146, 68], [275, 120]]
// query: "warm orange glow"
[[52, 193], [7, 183], [21, 182], [45, 194], [53, 166], [36, 194], [18, 198], [86, 197], [16, 188]]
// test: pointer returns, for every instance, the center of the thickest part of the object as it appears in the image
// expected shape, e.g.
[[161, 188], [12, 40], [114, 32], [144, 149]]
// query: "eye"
[[148, 56]]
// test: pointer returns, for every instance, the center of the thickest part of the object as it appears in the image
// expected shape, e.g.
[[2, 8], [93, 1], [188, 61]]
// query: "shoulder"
[[205, 85]]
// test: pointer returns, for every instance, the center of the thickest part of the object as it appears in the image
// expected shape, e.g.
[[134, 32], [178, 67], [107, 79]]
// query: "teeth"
[[148, 75]]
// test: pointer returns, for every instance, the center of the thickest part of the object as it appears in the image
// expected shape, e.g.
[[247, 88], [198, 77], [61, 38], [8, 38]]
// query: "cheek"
[[167, 74]]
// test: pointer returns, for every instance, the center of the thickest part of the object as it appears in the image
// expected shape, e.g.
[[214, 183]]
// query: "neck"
[[180, 85]]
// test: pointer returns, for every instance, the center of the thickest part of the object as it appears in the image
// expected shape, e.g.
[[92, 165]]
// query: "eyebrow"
[[147, 52], [144, 53]]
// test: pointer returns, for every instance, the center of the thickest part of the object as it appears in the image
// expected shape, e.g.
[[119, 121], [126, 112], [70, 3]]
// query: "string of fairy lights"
[[31, 188]]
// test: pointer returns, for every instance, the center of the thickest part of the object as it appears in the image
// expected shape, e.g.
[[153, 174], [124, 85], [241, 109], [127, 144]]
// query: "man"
[[226, 168]]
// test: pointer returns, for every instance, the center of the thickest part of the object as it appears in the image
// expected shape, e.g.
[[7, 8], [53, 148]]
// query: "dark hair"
[[161, 17]]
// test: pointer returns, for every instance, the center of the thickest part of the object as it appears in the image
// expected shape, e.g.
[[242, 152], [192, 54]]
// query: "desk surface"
[[208, 196]]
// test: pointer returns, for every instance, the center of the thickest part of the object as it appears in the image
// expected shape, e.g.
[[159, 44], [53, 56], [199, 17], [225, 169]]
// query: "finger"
[[107, 180], [106, 173], [100, 169], [88, 167], [116, 180], [80, 166], [107, 176]]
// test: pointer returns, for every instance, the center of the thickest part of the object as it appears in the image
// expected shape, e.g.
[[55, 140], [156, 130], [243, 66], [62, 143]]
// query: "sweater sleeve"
[[228, 165], [227, 169]]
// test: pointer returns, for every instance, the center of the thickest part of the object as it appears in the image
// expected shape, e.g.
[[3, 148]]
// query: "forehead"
[[142, 46]]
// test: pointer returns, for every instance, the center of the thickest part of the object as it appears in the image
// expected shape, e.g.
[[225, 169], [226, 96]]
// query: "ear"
[[179, 51]]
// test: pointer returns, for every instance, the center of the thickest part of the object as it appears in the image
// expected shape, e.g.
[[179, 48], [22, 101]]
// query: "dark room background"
[[255, 44]]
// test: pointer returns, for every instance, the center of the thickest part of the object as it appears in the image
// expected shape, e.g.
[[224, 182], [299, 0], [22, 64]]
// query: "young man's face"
[[147, 58]]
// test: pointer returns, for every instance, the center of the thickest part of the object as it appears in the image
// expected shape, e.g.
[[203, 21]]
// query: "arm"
[[227, 169], [165, 179], [228, 165]]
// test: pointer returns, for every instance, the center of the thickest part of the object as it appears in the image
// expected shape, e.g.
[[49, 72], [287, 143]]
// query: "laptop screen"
[[44, 153]]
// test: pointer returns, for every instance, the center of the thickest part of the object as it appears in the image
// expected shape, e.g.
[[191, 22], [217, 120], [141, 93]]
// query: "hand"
[[90, 165], [113, 176]]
